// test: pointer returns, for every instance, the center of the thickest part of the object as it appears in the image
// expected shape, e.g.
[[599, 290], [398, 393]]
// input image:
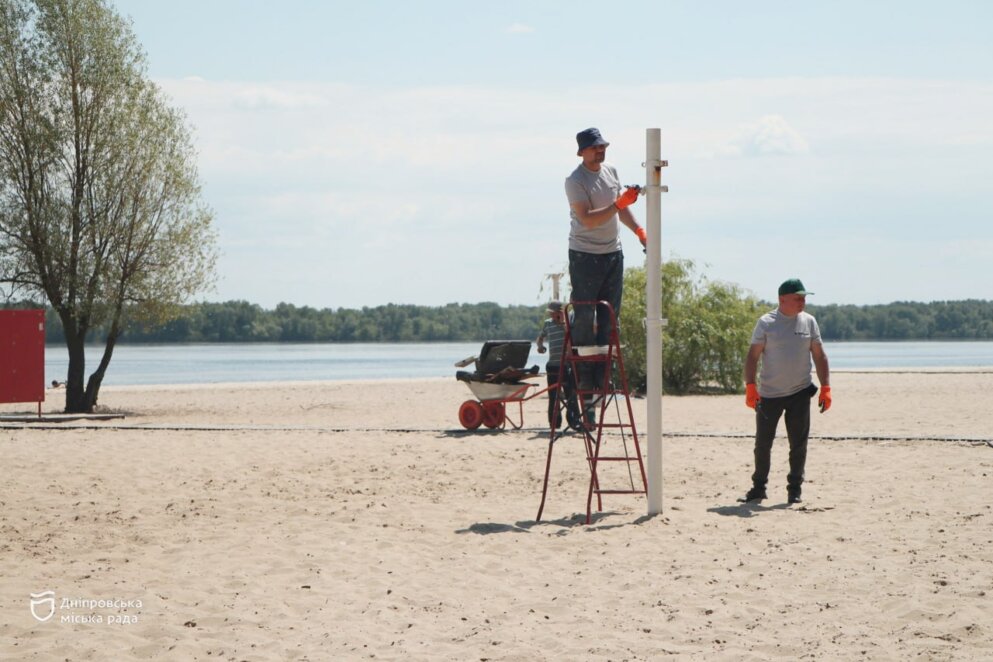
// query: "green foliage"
[[705, 339]]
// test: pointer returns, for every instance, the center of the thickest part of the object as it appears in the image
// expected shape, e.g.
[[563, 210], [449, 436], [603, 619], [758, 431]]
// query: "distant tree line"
[[240, 321], [938, 320]]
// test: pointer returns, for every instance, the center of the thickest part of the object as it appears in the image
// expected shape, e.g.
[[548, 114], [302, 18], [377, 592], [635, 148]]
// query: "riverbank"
[[346, 520]]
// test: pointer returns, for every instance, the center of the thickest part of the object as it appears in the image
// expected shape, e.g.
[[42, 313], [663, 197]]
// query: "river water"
[[264, 362]]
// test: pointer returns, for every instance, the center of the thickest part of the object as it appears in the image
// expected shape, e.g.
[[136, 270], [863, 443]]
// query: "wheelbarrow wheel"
[[471, 414], [494, 414]]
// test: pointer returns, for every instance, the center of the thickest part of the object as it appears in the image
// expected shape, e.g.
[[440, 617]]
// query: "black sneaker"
[[793, 495], [754, 494]]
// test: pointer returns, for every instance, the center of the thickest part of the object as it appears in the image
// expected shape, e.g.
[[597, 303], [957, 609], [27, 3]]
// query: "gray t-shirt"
[[786, 358], [596, 190]]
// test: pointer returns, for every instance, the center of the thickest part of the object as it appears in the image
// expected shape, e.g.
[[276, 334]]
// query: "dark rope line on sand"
[[457, 432]]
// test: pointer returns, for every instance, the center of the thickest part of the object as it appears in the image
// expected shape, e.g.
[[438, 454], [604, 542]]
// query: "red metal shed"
[[22, 356]]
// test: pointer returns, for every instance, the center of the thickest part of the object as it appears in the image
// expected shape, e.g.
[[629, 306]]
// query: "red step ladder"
[[607, 395]]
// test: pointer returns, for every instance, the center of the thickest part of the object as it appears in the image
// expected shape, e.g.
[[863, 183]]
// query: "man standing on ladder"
[[597, 200]]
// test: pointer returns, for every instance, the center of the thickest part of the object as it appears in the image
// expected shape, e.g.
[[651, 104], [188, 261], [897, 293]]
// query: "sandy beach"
[[350, 521]]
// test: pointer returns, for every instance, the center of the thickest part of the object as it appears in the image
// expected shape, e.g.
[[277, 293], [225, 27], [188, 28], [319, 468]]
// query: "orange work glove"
[[628, 198], [824, 399], [642, 236], [751, 395]]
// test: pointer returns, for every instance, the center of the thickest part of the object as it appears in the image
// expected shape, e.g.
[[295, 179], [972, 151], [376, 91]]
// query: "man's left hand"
[[628, 198], [642, 236]]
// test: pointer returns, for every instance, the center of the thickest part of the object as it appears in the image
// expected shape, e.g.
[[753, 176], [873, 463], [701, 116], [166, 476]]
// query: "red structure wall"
[[22, 356]]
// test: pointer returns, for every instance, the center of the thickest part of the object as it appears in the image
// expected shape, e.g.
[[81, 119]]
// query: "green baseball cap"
[[793, 286]]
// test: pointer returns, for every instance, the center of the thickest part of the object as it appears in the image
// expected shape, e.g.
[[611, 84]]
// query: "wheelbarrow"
[[499, 379]]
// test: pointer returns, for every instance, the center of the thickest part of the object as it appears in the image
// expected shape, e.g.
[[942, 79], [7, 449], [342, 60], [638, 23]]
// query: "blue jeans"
[[594, 277]]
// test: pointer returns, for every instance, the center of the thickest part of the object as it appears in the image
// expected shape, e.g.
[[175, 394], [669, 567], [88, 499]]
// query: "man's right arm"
[[752, 397], [593, 218], [752, 362]]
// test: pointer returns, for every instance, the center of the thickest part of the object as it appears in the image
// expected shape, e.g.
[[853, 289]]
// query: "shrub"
[[705, 339]]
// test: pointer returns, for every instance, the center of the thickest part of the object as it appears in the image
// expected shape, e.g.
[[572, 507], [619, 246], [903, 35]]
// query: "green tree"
[[706, 336], [100, 209]]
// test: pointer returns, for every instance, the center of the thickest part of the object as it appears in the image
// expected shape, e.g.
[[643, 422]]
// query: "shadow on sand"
[[561, 526], [536, 434], [749, 509]]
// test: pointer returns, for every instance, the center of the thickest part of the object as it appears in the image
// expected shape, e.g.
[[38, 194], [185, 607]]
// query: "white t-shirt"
[[786, 360]]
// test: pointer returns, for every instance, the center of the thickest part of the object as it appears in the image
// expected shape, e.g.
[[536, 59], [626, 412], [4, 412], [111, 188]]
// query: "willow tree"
[[100, 205]]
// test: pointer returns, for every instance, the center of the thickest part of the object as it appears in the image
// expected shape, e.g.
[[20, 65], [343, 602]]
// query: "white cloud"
[[520, 28], [273, 98], [771, 136], [972, 139]]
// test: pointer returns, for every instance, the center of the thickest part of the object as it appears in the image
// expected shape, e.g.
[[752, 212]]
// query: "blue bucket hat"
[[589, 138]]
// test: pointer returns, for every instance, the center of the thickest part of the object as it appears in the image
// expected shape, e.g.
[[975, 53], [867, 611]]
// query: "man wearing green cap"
[[784, 341]]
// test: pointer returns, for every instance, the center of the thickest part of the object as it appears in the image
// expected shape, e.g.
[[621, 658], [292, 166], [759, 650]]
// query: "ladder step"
[[619, 492], [618, 458]]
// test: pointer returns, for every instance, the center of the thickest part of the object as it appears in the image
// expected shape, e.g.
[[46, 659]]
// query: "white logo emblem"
[[42, 602]]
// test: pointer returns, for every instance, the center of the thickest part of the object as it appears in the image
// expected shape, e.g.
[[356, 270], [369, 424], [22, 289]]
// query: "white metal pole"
[[555, 278], [653, 315]]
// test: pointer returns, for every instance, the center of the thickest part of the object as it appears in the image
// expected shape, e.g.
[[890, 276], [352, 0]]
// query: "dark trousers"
[[552, 375], [767, 414], [594, 277], [564, 395]]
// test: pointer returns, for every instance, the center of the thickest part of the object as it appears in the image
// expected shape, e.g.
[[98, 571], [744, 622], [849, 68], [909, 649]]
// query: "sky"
[[363, 153]]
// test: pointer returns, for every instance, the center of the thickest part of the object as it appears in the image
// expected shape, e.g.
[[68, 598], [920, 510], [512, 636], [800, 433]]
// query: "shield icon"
[[43, 605]]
